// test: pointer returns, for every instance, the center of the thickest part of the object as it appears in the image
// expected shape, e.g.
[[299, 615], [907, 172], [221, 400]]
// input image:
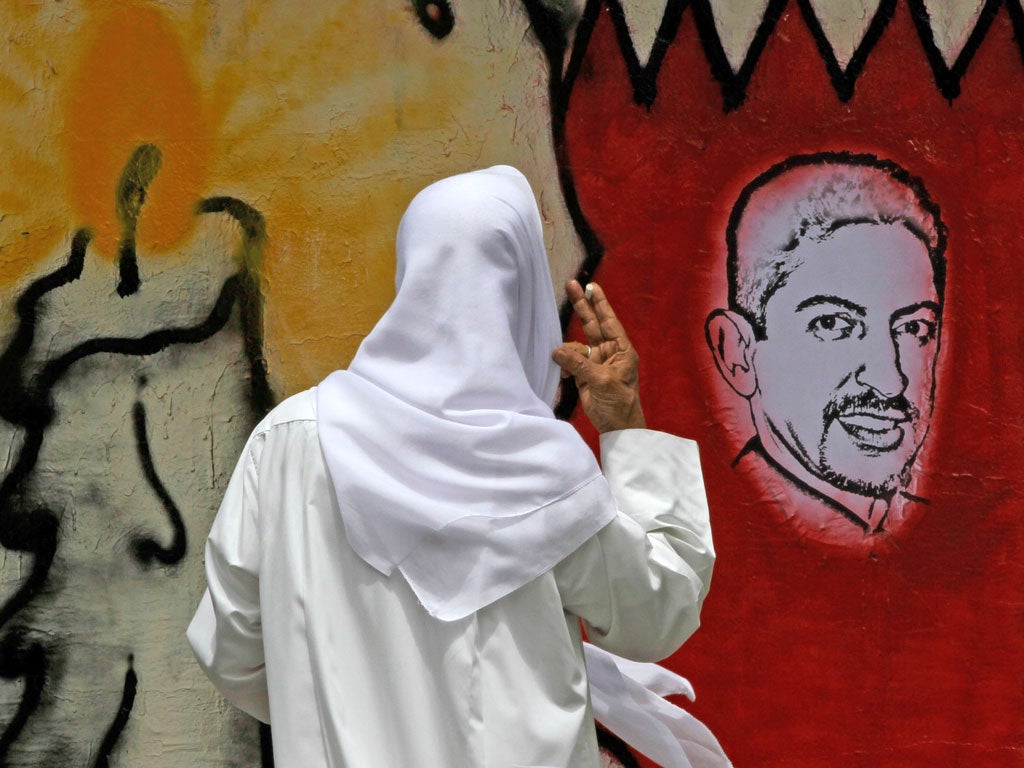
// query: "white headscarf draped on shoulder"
[[440, 440]]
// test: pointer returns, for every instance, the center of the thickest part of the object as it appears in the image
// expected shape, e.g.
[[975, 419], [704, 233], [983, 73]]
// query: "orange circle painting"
[[132, 86]]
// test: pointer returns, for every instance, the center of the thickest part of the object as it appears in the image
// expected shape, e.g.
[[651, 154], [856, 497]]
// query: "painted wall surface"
[[197, 210], [855, 388]]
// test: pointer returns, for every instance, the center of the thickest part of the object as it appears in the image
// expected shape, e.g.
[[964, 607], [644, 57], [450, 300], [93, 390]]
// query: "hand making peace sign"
[[606, 371]]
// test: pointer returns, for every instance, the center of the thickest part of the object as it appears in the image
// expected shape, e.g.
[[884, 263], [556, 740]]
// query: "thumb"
[[573, 362]]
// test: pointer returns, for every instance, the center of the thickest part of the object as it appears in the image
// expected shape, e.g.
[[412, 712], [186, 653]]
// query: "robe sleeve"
[[639, 583], [226, 633]]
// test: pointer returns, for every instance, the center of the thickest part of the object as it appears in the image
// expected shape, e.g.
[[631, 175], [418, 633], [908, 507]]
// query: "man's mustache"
[[871, 403]]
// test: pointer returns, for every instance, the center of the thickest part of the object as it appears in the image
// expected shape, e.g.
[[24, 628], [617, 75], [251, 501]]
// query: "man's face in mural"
[[845, 371], [836, 271]]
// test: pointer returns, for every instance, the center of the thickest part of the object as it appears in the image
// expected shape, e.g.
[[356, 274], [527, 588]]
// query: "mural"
[[823, 289], [112, 522], [804, 211], [836, 273], [197, 217]]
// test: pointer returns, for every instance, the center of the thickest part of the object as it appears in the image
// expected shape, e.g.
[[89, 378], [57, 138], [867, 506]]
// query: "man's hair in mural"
[[810, 197]]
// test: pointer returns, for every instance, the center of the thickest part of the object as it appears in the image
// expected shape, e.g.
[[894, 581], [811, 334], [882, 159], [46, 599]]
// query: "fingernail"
[[589, 291]]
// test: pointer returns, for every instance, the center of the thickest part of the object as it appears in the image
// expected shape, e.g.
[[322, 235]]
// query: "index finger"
[[610, 327], [581, 305]]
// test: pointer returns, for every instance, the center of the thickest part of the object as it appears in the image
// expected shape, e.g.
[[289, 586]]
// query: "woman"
[[403, 556]]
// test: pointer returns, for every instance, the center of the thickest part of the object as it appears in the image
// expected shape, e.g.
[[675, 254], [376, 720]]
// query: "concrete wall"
[[197, 210]]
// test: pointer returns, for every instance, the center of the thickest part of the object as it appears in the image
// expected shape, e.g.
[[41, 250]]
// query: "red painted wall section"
[[906, 652]]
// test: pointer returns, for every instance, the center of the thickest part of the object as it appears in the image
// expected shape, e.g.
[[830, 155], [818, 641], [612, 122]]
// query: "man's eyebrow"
[[912, 308], [815, 301]]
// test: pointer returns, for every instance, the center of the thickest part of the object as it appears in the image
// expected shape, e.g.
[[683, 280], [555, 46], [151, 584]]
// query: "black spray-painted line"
[[28, 403], [250, 304], [1016, 13], [36, 532], [22, 404], [734, 83], [138, 174], [17, 403], [947, 78], [28, 661], [436, 16], [146, 548], [547, 28], [844, 80], [124, 710], [250, 296]]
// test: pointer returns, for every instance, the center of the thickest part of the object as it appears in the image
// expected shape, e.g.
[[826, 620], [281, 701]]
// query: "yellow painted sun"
[[325, 116], [134, 85]]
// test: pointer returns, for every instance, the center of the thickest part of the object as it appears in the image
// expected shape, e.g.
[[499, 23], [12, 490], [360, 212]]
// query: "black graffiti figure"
[[27, 403]]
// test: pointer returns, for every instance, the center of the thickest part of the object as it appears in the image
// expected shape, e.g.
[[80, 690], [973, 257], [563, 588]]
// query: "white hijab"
[[445, 457]]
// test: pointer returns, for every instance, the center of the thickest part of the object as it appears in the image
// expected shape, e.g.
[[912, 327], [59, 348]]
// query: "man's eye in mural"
[[921, 329], [836, 327], [436, 16]]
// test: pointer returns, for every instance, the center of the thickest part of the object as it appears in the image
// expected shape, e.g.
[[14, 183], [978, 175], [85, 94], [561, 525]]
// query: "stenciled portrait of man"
[[836, 277]]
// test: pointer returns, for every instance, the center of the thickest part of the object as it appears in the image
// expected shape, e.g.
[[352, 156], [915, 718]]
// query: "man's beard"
[[869, 402]]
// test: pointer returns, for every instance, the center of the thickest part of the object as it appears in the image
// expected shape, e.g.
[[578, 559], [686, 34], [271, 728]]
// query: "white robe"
[[350, 670]]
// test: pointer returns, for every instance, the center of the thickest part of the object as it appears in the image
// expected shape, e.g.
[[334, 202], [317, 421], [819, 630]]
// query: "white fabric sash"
[[627, 697]]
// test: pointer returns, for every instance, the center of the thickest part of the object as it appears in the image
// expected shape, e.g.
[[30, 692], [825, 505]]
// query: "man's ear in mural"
[[731, 339]]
